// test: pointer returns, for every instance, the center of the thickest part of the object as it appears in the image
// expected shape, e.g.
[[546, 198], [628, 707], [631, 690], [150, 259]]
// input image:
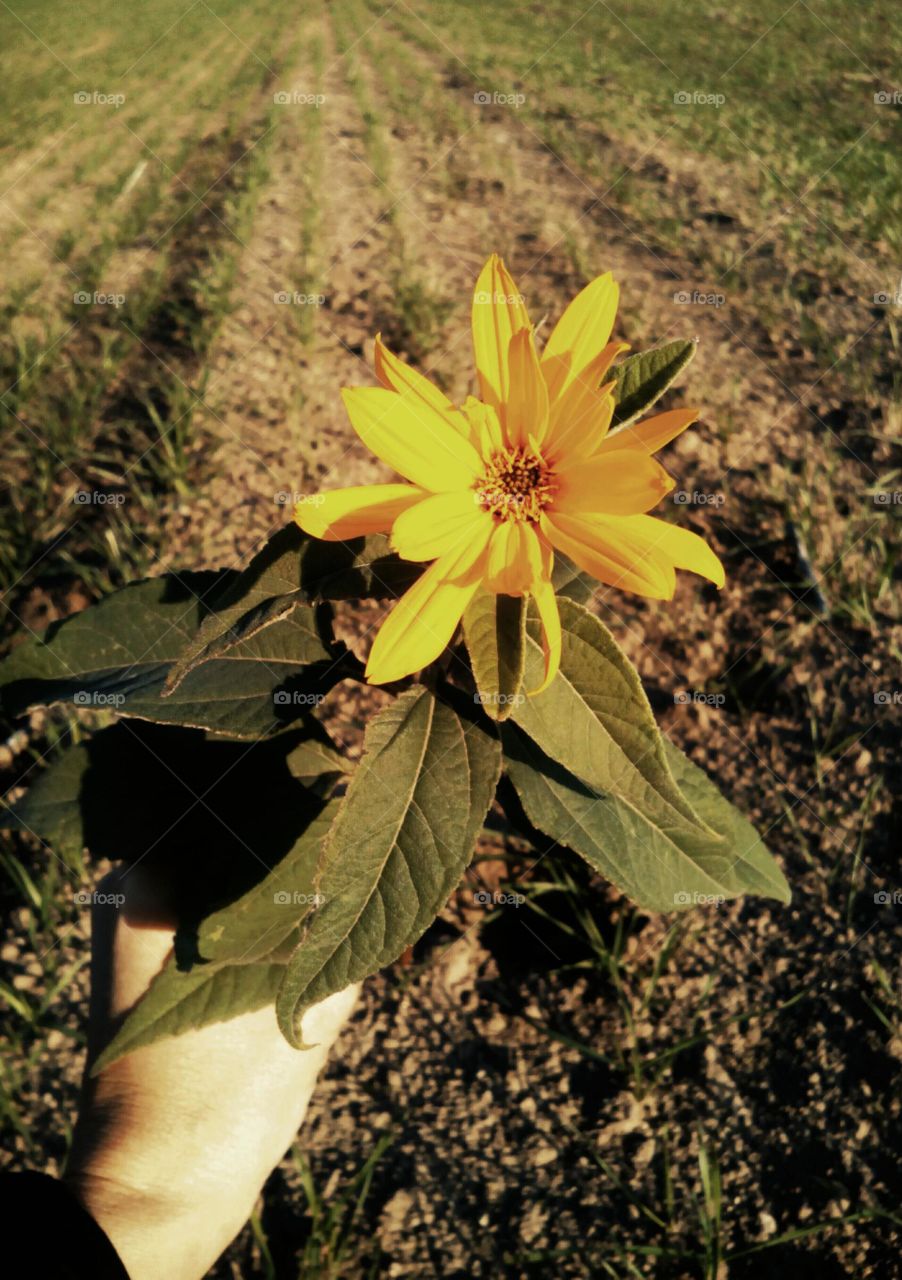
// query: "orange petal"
[[599, 547], [621, 482], [514, 559], [436, 525], [652, 434], [526, 412], [499, 312], [355, 512]]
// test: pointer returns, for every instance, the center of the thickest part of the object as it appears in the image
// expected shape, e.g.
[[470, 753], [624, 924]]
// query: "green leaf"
[[658, 868], [495, 635], [116, 656], [50, 808], [595, 719], [290, 571], [402, 839], [178, 1002], [643, 378], [571, 582]]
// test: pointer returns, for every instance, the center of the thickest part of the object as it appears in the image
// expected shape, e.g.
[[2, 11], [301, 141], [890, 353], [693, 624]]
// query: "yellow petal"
[[398, 376], [621, 482], [352, 513], [423, 621], [546, 603], [580, 430], [580, 395], [652, 434], [514, 559], [683, 548], [436, 526], [413, 438], [597, 545], [485, 427], [526, 412], [580, 334], [498, 313]]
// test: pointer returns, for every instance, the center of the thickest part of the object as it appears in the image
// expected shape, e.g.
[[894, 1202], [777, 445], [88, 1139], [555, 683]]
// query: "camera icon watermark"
[[888, 697], [699, 298], [486, 898], [695, 498], [496, 99], [695, 98], [94, 698], [287, 298], [87, 898], [684, 697], [96, 498], [887, 498], [291, 498], [82, 298], [291, 698], [693, 899], [885, 98], [883, 896], [296, 98], [95, 99]]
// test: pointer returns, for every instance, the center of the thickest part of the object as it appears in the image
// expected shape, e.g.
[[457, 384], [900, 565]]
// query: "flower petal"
[[398, 376], [436, 525], [485, 427], [598, 545], [622, 482], [580, 394], [525, 413], [515, 558], [413, 438], [546, 603], [683, 548], [498, 313], [423, 621], [354, 512], [652, 434], [580, 334], [582, 428]]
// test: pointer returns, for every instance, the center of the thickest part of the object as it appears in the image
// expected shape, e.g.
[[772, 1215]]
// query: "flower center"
[[516, 486]]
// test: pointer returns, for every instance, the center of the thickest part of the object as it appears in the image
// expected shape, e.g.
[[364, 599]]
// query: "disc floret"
[[517, 484]]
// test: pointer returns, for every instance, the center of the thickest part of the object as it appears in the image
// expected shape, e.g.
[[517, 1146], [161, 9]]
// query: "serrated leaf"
[[495, 636], [595, 719], [292, 570], [659, 869], [401, 841], [178, 1002], [642, 379], [116, 656]]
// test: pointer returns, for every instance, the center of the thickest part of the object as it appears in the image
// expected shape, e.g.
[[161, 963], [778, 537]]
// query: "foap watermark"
[[297, 98], [292, 698], [498, 899], [496, 99], [95, 99], [684, 696], [86, 898], [696, 498], [284, 898], [82, 298], [499, 699], [887, 498], [698, 298], [696, 98], [97, 498], [288, 498], [888, 697], [888, 98], [889, 299], [693, 899], [486, 298], [883, 896], [94, 698], [285, 298]]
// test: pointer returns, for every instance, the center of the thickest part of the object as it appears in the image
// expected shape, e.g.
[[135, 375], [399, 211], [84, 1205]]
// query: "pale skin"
[[174, 1142]]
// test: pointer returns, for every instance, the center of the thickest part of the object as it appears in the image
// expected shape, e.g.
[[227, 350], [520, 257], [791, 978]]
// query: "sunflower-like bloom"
[[493, 487]]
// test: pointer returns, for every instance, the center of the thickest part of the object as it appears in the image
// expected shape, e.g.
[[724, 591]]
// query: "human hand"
[[174, 1142]]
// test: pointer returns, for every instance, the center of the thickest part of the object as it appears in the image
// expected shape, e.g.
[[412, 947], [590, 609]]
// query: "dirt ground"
[[522, 1143]]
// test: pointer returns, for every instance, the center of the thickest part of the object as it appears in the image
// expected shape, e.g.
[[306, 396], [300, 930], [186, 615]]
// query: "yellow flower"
[[492, 488]]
